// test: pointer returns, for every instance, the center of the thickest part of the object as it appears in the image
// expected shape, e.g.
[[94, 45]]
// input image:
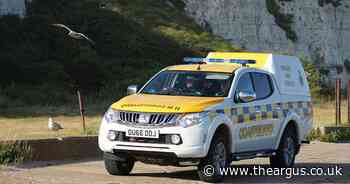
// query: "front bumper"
[[194, 141], [151, 157]]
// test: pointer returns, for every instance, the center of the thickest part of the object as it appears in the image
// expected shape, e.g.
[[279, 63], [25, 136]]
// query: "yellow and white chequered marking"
[[267, 111], [263, 112]]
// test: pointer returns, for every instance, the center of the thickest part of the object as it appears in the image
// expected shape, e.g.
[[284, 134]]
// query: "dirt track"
[[92, 171]]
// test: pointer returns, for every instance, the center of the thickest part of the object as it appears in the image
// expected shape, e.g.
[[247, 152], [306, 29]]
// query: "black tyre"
[[287, 150], [114, 167], [209, 168]]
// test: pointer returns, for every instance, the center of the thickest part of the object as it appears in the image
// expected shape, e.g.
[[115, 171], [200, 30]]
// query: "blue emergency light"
[[196, 60], [244, 62]]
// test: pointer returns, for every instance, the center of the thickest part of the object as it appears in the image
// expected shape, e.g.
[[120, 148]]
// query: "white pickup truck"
[[211, 111]]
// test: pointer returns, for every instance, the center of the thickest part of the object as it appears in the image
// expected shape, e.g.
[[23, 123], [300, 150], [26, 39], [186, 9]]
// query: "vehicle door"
[[254, 117]]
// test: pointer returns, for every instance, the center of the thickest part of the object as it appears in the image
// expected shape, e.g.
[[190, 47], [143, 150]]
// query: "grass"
[[324, 113], [36, 127], [170, 20], [23, 126], [31, 122], [18, 125]]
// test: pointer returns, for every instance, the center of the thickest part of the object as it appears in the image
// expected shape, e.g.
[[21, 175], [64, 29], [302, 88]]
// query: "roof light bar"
[[189, 60], [197, 60], [237, 61]]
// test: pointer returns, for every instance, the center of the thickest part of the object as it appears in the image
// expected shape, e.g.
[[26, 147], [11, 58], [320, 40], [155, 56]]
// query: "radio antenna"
[[199, 66]]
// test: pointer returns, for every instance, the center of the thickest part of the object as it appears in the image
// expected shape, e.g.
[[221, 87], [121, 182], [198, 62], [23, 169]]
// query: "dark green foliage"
[[14, 153], [347, 64], [170, 21], [339, 69], [315, 134], [335, 136], [313, 77], [41, 65], [334, 3], [324, 70], [284, 21], [7, 154]]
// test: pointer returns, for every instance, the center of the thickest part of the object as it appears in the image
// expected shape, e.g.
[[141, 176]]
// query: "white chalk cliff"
[[321, 27], [318, 30]]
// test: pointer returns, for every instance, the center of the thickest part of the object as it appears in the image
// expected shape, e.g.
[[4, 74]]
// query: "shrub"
[[313, 77], [14, 153], [315, 134], [335, 136], [347, 64]]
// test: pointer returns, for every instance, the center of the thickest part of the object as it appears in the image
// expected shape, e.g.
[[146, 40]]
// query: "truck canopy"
[[288, 70]]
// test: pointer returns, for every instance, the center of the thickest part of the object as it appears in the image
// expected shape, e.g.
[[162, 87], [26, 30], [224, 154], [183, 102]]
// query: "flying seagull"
[[54, 126], [74, 34]]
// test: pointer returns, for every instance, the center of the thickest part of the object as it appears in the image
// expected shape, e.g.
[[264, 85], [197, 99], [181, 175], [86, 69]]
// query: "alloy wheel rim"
[[220, 156], [289, 151]]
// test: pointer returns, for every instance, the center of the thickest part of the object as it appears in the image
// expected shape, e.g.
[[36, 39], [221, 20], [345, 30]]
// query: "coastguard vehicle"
[[209, 112]]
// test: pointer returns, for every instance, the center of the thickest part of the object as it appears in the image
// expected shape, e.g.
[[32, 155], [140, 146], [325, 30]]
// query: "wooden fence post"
[[348, 101], [82, 110], [337, 102]]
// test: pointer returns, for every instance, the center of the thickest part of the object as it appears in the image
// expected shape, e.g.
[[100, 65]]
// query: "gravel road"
[[316, 154]]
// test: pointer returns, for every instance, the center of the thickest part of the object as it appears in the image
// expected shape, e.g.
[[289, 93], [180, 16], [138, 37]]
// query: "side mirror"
[[132, 89], [246, 96]]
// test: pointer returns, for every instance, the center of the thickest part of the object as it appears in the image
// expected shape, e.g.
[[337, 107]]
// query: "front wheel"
[[287, 150], [114, 167], [209, 167]]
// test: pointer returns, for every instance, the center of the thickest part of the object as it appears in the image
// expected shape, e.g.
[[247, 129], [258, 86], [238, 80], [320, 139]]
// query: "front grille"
[[129, 117], [147, 118]]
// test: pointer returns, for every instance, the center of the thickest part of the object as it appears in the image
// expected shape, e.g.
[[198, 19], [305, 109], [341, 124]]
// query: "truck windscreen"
[[190, 83]]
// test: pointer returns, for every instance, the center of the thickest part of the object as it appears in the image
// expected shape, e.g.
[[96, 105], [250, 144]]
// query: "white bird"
[[74, 34], [54, 126]]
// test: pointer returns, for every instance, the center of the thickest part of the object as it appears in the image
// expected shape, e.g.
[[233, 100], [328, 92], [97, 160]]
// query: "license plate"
[[145, 133]]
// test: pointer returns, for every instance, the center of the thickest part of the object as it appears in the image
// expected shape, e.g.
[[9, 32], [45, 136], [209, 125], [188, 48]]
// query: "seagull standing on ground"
[[54, 126], [74, 34]]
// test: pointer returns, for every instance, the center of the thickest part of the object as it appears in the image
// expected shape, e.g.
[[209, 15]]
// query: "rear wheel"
[[114, 167], [209, 167], [287, 150]]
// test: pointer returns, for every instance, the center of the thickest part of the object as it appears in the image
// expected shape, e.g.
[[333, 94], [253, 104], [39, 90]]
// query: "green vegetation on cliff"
[[334, 3], [284, 21], [40, 65]]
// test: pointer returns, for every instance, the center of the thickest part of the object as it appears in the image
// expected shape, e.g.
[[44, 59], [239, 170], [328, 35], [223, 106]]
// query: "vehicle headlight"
[[191, 119], [111, 116]]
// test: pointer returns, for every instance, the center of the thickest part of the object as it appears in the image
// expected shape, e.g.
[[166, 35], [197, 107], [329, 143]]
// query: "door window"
[[262, 85], [255, 82], [244, 85]]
